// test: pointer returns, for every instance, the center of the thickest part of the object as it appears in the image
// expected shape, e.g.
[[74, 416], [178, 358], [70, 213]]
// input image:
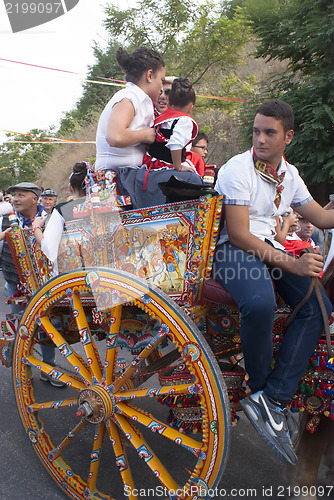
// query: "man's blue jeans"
[[250, 282]]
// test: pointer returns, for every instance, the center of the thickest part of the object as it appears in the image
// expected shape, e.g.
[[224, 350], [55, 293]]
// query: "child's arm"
[[282, 230], [176, 157], [36, 225]]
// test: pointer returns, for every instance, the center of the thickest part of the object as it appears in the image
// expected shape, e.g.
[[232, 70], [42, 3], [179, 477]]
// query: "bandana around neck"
[[269, 174]]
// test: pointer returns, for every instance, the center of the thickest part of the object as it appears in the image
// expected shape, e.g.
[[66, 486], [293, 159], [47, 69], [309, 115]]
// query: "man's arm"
[[313, 212], [237, 223]]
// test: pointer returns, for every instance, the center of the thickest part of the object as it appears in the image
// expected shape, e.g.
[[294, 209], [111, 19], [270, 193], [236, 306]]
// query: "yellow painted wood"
[[140, 444], [122, 459], [44, 367], [112, 343], [59, 340], [95, 457], [92, 354]]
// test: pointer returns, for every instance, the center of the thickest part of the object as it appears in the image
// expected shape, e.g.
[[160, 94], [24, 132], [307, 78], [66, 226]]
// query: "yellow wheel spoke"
[[162, 428], [65, 349], [57, 373], [91, 446], [145, 452], [151, 392], [137, 360], [52, 404], [92, 354], [121, 458], [95, 457], [54, 454], [112, 343]]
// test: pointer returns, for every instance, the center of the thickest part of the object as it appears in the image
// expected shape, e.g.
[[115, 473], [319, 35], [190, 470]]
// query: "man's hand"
[[309, 264]]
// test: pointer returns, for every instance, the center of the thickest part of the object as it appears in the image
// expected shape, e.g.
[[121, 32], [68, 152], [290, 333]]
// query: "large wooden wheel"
[[105, 435]]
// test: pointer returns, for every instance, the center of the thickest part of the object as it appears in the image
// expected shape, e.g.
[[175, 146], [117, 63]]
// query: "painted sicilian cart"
[[148, 346], [122, 313]]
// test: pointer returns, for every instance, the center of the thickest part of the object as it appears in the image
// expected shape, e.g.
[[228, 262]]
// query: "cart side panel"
[[32, 265], [170, 245]]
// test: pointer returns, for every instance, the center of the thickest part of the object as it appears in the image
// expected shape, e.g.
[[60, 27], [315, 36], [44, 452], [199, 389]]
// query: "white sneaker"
[[271, 423], [45, 377]]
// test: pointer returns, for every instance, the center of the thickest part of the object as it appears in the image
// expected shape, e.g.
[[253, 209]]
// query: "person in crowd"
[[304, 232], [200, 144], [25, 204], [175, 129], [286, 224], [49, 199], [5, 208], [125, 125], [49, 240], [197, 152], [163, 101], [259, 185], [8, 197]]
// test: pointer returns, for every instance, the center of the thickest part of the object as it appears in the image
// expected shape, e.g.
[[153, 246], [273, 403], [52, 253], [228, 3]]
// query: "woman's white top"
[[107, 156]]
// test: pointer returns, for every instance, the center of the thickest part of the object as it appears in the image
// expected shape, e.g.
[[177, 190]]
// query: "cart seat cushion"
[[215, 292]]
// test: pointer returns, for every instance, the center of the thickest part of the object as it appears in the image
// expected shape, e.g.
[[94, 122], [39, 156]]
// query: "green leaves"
[[301, 32], [24, 156]]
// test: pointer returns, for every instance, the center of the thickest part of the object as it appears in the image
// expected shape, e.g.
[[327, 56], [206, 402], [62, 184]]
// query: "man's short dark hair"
[[280, 110]]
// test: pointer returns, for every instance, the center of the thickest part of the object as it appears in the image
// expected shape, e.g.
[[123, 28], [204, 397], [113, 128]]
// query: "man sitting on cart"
[[258, 186]]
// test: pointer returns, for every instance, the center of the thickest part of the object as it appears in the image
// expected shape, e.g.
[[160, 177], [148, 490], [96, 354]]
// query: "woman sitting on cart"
[[125, 127]]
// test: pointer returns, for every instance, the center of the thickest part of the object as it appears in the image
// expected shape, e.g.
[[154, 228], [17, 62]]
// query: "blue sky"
[[36, 98]]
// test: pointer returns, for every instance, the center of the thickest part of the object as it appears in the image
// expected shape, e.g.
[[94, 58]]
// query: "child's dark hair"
[[182, 93], [141, 60], [78, 175], [280, 110], [201, 135]]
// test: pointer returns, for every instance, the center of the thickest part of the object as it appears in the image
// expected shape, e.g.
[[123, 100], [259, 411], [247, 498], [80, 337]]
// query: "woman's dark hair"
[[141, 60], [78, 175], [280, 110], [182, 93]]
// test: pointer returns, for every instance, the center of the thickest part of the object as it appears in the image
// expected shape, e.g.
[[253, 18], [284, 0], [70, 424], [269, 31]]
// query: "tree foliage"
[[193, 38], [21, 159], [302, 33]]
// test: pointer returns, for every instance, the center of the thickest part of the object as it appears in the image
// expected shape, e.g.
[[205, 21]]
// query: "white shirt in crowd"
[[241, 184]]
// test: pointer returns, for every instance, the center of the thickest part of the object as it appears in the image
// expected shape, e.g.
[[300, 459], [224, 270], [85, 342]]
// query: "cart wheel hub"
[[95, 404]]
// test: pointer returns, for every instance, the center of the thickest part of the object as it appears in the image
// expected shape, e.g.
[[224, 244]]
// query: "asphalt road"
[[252, 471]]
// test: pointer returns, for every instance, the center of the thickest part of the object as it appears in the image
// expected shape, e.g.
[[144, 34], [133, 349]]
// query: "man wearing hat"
[[25, 204], [49, 198]]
